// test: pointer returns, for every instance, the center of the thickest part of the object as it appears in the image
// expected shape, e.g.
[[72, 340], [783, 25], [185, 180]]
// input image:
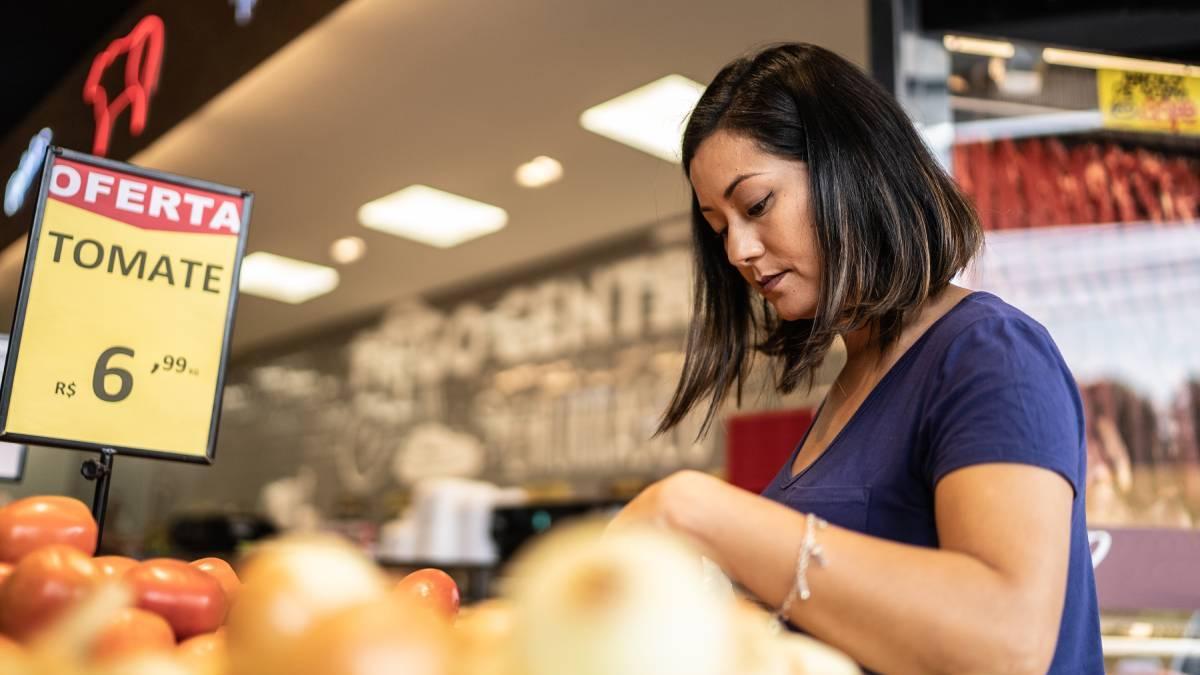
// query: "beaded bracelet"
[[810, 550]]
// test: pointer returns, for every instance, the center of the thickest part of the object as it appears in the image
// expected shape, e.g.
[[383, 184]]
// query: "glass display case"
[[1085, 170]]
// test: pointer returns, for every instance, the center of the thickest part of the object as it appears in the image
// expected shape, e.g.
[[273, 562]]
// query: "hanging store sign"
[[1149, 102], [126, 306], [143, 50]]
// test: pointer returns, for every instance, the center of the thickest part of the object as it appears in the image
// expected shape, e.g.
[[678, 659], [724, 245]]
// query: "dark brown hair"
[[891, 226]]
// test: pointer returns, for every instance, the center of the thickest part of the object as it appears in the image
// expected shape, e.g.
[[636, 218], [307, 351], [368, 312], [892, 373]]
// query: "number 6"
[[102, 371]]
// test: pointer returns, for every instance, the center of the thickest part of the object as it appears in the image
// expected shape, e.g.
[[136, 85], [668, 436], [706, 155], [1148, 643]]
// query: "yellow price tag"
[[125, 312], [1149, 101]]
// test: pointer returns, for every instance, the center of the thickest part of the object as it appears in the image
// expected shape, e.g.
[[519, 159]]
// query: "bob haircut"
[[892, 229]]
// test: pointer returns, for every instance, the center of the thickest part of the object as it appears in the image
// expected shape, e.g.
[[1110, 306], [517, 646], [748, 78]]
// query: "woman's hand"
[[657, 506], [675, 503]]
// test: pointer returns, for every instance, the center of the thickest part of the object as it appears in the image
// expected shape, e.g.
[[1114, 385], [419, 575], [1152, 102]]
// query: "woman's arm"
[[989, 600]]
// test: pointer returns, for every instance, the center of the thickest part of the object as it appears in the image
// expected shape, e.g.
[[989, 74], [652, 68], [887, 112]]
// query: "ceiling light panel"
[[539, 172], [347, 250], [650, 118], [432, 216], [285, 279]]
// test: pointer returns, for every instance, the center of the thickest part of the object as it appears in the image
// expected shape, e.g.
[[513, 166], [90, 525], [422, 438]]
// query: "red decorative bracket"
[[143, 48]]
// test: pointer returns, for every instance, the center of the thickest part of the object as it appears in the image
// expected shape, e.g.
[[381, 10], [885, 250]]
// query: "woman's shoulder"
[[981, 312], [984, 326]]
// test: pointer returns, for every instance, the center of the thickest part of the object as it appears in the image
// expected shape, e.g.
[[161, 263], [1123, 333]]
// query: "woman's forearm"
[[894, 607]]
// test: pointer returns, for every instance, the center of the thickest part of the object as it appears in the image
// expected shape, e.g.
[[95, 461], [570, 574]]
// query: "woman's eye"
[[757, 210]]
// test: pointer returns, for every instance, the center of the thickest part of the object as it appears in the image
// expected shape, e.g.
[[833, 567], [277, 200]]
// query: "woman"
[[948, 457]]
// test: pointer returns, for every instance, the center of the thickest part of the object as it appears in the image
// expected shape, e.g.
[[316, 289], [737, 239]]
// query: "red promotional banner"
[[144, 202]]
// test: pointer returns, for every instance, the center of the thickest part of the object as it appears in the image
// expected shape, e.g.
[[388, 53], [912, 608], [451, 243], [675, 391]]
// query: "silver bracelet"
[[810, 549]]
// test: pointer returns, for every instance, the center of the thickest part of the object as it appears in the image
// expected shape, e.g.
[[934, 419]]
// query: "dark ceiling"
[[1161, 29], [41, 41], [49, 46]]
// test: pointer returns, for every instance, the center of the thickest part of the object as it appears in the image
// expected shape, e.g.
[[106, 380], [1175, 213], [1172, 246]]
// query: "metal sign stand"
[[99, 470]]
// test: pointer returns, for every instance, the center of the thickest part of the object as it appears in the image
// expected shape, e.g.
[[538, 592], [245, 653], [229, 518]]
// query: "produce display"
[[31, 523], [579, 602]]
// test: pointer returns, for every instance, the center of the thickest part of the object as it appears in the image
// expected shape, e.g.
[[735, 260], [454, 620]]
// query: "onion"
[[11, 653], [374, 638], [205, 654], [132, 632], [287, 585], [483, 639], [757, 642], [147, 664], [633, 602], [807, 656]]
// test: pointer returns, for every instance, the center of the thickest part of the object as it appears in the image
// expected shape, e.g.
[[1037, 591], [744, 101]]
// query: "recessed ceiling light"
[[347, 250], [650, 118], [1076, 59], [539, 172], [979, 46], [285, 279], [431, 216]]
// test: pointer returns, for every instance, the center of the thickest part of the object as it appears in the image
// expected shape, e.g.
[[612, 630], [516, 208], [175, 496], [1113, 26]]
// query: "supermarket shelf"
[[1025, 126], [1115, 646], [1002, 108]]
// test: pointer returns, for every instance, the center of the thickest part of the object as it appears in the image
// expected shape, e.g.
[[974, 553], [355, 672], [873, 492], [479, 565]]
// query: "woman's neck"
[[862, 345], [859, 343]]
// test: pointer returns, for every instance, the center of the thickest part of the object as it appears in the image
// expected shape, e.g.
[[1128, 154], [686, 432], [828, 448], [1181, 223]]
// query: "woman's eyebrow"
[[732, 186], [741, 177]]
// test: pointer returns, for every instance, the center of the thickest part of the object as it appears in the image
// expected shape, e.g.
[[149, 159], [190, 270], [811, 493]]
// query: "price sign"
[[1149, 101], [12, 456], [123, 321]]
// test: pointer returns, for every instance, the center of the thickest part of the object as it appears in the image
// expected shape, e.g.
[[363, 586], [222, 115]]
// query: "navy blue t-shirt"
[[984, 384]]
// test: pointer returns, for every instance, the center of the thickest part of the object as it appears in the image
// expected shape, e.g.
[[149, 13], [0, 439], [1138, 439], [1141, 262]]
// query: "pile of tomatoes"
[[582, 601], [64, 611]]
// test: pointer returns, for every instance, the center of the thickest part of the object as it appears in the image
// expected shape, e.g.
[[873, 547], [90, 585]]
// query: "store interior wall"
[[469, 93]]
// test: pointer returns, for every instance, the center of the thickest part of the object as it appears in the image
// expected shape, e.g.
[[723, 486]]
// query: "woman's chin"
[[790, 311]]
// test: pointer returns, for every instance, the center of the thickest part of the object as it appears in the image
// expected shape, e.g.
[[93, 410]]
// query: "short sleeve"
[[1005, 395]]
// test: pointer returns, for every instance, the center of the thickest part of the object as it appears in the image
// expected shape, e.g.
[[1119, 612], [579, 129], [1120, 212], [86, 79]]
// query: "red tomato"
[[6, 570], [190, 600], [223, 573], [34, 522], [132, 631], [42, 585], [431, 588], [114, 566]]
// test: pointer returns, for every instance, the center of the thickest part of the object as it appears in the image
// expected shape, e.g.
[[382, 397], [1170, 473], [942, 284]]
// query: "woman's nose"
[[742, 245]]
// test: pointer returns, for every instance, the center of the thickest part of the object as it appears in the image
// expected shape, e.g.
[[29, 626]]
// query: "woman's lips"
[[769, 283]]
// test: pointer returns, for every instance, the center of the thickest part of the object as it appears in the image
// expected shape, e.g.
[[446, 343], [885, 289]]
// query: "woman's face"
[[759, 204]]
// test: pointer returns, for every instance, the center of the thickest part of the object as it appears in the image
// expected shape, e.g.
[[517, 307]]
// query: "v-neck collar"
[[896, 367]]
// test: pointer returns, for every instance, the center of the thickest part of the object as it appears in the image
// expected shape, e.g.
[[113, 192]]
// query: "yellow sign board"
[[1149, 101], [125, 313]]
